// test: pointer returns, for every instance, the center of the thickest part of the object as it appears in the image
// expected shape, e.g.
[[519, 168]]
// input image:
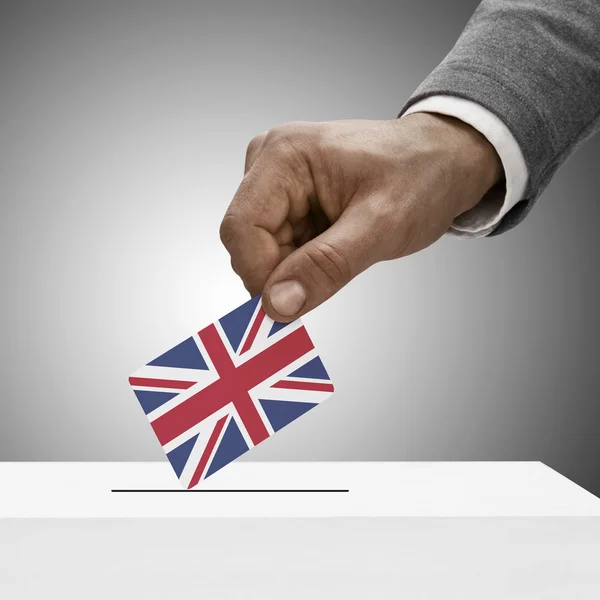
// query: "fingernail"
[[287, 297]]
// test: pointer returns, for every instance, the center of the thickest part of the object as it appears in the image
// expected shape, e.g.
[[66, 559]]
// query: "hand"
[[321, 202]]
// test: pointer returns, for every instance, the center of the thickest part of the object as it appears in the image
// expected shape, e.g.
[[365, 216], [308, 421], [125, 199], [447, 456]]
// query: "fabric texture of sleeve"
[[487, 214], [534, 64]]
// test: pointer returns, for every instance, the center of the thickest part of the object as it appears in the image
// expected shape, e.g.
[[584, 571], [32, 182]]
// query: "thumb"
[[321, 267]]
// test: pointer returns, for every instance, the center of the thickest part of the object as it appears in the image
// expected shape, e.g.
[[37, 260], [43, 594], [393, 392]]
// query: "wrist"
[[467, 155]]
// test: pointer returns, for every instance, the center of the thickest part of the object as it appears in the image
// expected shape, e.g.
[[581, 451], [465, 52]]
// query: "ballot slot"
[[234, 491]]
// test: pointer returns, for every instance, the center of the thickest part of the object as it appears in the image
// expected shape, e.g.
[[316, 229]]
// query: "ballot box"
[[297, 530]]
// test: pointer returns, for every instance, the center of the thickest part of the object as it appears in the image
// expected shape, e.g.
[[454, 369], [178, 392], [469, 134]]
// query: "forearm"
[[536, 65]]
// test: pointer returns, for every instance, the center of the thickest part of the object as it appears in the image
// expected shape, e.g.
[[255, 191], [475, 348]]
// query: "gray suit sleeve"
[[536, 65]]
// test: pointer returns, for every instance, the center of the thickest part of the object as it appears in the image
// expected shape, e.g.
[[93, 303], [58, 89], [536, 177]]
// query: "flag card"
[[229, 387]]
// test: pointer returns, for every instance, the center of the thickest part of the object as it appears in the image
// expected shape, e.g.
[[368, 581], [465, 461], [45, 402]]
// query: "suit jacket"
[[536, 65]]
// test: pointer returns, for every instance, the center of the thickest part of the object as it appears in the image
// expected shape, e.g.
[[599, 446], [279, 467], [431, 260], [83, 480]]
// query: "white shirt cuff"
[[483, 218]]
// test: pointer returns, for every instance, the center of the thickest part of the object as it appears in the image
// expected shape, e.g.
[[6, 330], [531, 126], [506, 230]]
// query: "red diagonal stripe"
[[275, 358], [214, 437], [196, 408], [172, 384], [304, 385], [233, 385], [219, 355], [260, 317]]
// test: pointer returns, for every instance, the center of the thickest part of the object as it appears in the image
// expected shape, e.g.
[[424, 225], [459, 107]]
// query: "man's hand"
[[322, 202]]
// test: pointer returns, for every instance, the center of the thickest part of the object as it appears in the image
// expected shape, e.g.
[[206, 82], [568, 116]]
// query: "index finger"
[[255, 230]]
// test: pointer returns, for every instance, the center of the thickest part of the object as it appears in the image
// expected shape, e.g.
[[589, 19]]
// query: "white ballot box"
[[297, 530]]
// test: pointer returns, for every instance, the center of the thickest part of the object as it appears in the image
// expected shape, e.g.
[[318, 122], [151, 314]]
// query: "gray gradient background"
[[123, 128]]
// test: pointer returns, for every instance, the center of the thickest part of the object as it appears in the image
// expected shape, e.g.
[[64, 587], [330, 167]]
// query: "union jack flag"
[[229, 387]]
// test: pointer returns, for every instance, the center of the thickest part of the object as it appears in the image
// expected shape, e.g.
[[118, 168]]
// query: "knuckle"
[[255, 144], [329, 261], [228, 229], [288, 144], [276, 135], [283, 131], [288, 134]]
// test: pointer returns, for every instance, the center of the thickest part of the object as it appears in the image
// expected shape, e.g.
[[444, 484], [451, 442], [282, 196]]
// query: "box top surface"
[[337, 489]]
